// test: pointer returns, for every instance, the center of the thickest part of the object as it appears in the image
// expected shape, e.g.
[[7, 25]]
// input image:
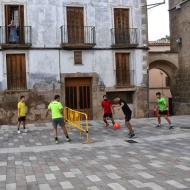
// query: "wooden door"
[[121, 21], [122, 69], [75, 25], [78, 94], [16, 71], [15, 13]]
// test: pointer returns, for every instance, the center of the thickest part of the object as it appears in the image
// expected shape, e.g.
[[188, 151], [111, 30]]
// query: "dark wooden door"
[[121, 21], [75, 24], [122, 69], [78, 94], [15, 13], [16, 71]]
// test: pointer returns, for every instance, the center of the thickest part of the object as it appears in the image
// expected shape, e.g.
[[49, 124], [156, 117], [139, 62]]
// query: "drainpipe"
[[148, 98]]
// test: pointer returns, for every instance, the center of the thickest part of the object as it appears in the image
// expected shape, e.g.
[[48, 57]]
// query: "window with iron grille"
[[16, 71]]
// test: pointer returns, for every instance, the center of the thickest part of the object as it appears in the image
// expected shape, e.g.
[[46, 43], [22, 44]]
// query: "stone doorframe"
[[97, 92]]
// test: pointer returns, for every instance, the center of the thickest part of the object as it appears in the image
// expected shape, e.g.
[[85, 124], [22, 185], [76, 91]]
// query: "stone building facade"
[[180, 35], [79, 49]]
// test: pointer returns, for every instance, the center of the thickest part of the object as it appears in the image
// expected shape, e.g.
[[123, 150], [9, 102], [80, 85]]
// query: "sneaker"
[[18, 132], [131, 135], [25, 130], [171, 127], [68, 139], [158, 126], [56, 140]]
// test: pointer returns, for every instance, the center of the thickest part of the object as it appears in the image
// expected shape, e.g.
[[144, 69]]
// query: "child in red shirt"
[[107, 107]]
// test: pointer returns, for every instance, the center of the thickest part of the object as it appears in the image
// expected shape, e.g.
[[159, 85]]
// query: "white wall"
[[1, 70], [43, 67]]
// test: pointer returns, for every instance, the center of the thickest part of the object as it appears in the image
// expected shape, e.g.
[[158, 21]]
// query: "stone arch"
[[169, 68]]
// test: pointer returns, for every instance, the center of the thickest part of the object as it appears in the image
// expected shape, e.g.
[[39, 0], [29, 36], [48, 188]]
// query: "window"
[[78, 57], [14, 23], [123, 69], [16, 71]]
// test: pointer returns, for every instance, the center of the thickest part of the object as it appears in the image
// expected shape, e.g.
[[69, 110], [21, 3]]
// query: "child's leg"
[[24, 124], [64, 130], [129, 126], [18, 125], [167, 119], [112, 120], [105, 120], [158, 118]]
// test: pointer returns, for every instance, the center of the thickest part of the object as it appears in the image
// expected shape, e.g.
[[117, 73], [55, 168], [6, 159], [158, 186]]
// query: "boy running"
[[21, 114], [56, 109], [162, 110], [128, 113], [107, 108]]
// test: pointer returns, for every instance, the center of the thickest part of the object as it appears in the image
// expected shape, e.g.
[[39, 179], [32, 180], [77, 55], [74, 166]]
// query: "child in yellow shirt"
[[21, 114]]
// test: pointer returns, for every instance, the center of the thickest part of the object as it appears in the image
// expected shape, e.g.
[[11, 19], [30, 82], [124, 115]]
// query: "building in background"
[[180, 35], [79, 49]]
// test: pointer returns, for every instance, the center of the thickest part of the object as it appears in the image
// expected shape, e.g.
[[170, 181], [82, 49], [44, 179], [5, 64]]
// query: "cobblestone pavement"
[[159, 160]]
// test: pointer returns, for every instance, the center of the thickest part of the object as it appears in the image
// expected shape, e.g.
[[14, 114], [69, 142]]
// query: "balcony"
[[75, 37], [124, 38], [15, 37]]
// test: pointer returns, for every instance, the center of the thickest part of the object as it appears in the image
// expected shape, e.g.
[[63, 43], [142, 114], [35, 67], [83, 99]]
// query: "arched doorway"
[[161, 79]]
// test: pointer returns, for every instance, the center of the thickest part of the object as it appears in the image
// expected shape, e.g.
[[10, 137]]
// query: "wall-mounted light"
[[179, 40], [178, 6]]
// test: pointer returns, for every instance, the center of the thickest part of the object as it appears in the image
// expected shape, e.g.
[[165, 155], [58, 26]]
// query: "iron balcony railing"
[[78, 35], [124, 37], [125, 80], [18, 35]]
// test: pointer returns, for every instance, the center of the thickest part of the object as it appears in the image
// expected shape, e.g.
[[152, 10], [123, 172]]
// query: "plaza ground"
[[160, 160]]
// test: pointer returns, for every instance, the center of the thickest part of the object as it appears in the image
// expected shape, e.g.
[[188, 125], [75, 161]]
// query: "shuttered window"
[[75, 24], [78, 57], [16, 71], [122, 69]]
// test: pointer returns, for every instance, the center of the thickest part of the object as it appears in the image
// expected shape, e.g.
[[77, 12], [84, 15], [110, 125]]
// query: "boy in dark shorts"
[[128, 113], [21, 114], [162, 110], [107, 108], [56, 109]]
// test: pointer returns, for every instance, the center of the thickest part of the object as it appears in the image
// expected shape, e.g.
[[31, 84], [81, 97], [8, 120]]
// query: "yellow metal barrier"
[[76, 119]]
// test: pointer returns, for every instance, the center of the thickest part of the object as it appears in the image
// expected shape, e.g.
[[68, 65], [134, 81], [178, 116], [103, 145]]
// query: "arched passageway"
[[161, 78]]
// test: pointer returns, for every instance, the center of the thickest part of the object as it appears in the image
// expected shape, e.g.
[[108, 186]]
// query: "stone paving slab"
[[159, 161]]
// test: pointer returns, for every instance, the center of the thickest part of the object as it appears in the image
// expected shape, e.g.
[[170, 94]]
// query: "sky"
[[158, 21]]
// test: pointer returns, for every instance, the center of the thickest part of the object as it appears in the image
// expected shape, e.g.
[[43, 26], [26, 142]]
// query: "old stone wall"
[[180, 30], [36, 102]]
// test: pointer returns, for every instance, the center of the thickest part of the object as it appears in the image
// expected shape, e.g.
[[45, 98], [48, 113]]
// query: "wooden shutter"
[[16, 71], [75, 24], [78, 57], [121, 21], [8, 18], [21, 23], [122, 69]]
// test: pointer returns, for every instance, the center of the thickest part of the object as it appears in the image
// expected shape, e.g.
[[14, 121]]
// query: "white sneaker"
[[25, 130], [18, 131]]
